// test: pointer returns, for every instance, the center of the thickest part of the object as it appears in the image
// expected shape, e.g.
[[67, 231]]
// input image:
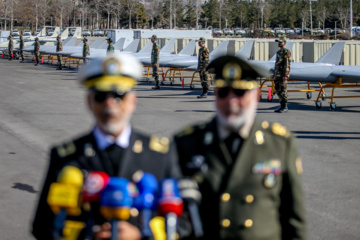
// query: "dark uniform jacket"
[[149, 154], [259, 195]]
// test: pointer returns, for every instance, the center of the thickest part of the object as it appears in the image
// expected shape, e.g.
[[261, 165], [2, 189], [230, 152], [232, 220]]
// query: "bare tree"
[[107, 6], [263, 9], [6, 6], [152, 10], [118, 10], [323, 15], [343, 15], [304, 14], [131, 5], [62, 7], [221, 5], [44, 5]]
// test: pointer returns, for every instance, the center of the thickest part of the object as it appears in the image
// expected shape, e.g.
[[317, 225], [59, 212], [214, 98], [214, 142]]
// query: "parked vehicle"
[[37, 32], [27, 33], [15, 33], [98, 33], [228, 31], [86, 33], [50, 32], [72, 32], [218, 31], [239, 32]]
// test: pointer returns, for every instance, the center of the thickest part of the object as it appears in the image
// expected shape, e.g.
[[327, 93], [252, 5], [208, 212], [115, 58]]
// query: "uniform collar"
[[104, 140], [244, 131]]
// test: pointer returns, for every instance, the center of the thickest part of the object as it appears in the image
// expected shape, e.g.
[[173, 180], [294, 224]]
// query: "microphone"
[[116, 201], [95, 182], [170, 205], [64, 197], [189, 191], [145, 201]]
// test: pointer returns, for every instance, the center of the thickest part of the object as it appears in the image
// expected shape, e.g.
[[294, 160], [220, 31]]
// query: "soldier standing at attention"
[[59, 48], [86, 49], [10, 48], [281, 74], [202, 64], [155, 61], [110, 48], [248, 171], [21, 47], [36, 51]]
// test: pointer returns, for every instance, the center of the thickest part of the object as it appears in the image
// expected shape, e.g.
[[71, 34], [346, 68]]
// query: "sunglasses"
[[224, 91], [100, 97]]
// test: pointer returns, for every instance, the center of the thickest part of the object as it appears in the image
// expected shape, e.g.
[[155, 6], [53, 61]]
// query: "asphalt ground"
[[40, 106]]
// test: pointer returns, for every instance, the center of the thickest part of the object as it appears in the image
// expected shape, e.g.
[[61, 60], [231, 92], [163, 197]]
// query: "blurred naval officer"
[[248, 171], [113, 145]]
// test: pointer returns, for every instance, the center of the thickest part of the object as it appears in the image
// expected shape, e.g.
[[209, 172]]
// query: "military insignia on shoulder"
[[298, 165], [138, 146], [159, 144], [187, 131], [259, 138], [265, 124], [280, 130], [66, 149], [89, 150]]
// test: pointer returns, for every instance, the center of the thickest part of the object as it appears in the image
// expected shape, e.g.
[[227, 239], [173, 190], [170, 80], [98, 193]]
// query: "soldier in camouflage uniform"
[[21, 47], [155, 61], [10, 48], [86, 50], [202, 65], [110, 48], [248, 170], [281, 74], [36, 51], [59, 48]]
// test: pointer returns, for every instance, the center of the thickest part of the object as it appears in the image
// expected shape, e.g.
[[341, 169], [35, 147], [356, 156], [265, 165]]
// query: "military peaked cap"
[[233, 72]]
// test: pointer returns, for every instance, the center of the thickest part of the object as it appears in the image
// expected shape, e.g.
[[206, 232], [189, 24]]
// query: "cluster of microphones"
[[117, 196]]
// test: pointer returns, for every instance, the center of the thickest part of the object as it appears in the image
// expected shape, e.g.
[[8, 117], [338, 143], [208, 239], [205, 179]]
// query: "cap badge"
[[111, 66], [232, 71]]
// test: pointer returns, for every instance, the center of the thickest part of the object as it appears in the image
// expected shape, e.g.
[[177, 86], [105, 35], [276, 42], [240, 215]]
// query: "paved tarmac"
[[40, 107]]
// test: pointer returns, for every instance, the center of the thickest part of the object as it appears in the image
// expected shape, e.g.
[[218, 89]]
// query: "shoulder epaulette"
[[66, 149], [191, 129], [280, 130], [159, 144]]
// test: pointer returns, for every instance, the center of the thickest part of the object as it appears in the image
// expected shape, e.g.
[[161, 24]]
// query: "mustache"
[[109, 111]]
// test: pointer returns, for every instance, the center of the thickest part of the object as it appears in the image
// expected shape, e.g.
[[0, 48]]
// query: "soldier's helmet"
[[58, 37], [118, 73], [9, 37], [202, 39], [85, 39], [281, 39], [234, 72], [109, 39], [153, 37], [36, 38]]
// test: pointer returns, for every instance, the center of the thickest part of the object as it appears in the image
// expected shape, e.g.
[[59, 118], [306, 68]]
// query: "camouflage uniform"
[[86, 51], [202, 64], [155, 60], [59, 48], [282, 69], [21, 52], [36, 52], [110, 49], [10, 48]]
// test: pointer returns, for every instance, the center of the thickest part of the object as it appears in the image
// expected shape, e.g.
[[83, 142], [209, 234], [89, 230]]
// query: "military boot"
[[59, 67], [156, 86], [283, 108], [203, 95]]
